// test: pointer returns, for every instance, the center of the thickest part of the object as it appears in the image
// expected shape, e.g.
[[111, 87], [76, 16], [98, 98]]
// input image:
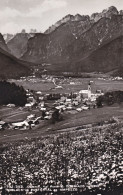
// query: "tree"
[[99, 101], [43, 114], [55, 116], [110, 98]]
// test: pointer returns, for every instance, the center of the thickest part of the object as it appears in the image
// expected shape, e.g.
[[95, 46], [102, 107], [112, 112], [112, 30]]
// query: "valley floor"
[[82, 154]]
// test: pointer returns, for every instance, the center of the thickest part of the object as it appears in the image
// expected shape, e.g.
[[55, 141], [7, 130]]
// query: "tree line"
[[10, 93], [110, 98]]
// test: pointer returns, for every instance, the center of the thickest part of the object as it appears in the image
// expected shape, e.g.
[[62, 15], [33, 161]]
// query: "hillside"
[[106, 58], [10, 67]]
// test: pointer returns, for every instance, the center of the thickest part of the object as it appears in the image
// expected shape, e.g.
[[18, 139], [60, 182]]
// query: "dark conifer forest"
[[10, 93]]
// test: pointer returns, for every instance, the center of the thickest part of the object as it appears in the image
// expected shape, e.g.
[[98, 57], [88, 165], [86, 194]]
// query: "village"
[[46, 104]]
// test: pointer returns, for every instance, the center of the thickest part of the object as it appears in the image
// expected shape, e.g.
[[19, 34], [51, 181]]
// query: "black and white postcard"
[[61, 97]]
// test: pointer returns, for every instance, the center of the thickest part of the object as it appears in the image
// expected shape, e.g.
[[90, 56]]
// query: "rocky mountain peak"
[[113, 9], [79, 17], [60, 22], [110, 11], [67, 18], [107, 13], [121, 12]]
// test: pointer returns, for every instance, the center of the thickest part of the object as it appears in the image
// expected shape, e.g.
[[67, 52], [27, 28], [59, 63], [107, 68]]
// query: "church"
[[86, 93]]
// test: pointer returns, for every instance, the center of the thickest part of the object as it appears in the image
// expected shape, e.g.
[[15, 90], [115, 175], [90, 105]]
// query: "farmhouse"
[[11, 105], [29, 105], [39, 92], [22, 124], [31, 116]]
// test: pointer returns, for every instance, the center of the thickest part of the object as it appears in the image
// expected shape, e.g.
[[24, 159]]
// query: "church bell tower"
[[89, 90]]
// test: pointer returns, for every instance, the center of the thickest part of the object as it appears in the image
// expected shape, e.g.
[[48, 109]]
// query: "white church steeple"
[[89, 91]]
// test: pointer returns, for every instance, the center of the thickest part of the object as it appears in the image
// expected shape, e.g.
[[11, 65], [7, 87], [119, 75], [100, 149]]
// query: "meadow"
[[70, 85], [16, 114]]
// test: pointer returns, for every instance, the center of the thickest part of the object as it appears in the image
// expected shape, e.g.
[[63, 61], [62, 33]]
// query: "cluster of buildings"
[[47, 103], [84, 160], [83, 100], [118, 78]]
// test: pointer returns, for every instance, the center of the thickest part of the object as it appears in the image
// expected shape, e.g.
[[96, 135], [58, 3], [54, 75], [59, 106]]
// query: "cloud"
[[9, 13], [36, 11], [20, 5], [10, 27], [46, 6]]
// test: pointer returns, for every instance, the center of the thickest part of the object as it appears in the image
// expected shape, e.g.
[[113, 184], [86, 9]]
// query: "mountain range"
[[75, 44]]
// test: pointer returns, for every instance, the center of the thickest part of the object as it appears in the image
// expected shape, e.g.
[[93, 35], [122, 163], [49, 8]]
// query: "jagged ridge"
[[74, 39]]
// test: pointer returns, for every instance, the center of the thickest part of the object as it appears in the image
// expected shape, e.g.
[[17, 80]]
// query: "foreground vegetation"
[[84, 161]]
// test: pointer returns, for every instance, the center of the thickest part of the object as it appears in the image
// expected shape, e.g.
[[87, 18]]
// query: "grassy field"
[[79, 84], [16, 114], [70, 121], [91, 116]]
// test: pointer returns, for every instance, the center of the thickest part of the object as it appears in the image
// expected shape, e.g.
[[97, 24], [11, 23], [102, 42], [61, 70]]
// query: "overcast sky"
[[16, 15]]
